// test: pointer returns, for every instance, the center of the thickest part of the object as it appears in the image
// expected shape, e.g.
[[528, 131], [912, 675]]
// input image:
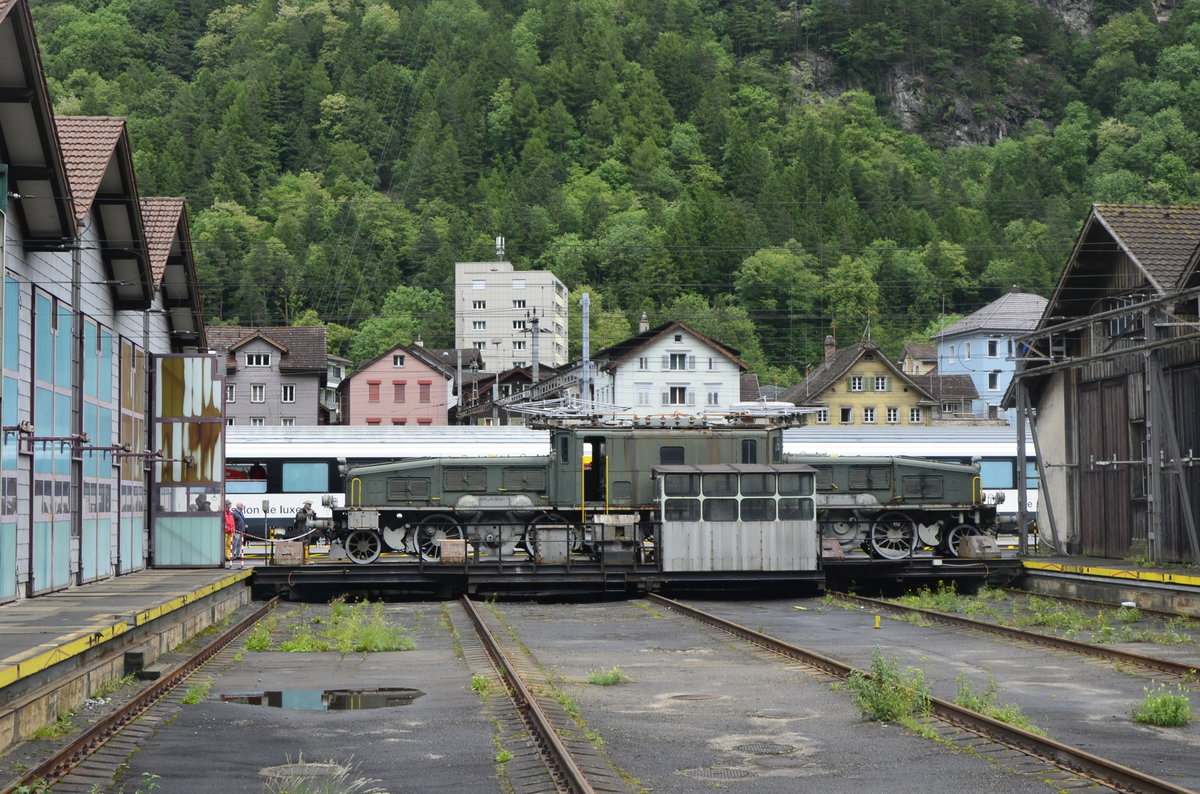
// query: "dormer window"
[[678, 337], [397, 361], [258, 359]]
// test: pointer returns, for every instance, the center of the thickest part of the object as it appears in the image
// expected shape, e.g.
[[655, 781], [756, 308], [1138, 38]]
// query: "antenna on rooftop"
[[500, 248]]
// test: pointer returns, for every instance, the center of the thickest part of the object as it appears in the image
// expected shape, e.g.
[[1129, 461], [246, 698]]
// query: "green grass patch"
[[886, 693], [108, 687], [1167, 707], [64, 723], [606, 677], [340, 781], [196, 693], [360, 627], [944, 597], [985, 703]]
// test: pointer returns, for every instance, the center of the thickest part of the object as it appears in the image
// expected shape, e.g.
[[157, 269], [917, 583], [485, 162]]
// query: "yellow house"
[[858, 386]]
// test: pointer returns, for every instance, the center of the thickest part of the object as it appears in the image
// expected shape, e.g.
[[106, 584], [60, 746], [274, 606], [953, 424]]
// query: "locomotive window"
[[758, 509], [525, 479], [776, 448], [794, 483], [403, 488], [681, 485], [301, 477], [564, 450], [462, 478], [997, 474], [749, 450], [758, 485], [720, 485], [681, 510], [720, 510], [670, 456], [795, 509]]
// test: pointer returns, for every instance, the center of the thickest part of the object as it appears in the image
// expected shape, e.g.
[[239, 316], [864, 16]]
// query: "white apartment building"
[[496, 310]]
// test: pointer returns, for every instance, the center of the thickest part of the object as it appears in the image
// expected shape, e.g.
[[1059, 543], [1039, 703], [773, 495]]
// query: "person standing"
[[230, 528], [239, 533], [304, 516]]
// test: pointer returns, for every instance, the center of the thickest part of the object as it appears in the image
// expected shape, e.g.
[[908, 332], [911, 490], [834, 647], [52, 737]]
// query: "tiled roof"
[[87, 146], [1160, 239], [449, 356], [919, 352], [748, 387], [944, 387], [160, 220], [809, 390], [304, 345], [618, 352], [1014, 311]]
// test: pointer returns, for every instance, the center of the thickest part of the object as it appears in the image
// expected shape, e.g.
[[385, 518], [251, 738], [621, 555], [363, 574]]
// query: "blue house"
[[982, 346]]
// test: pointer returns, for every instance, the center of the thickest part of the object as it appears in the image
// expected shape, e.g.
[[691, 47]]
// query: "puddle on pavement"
[[327, 699]]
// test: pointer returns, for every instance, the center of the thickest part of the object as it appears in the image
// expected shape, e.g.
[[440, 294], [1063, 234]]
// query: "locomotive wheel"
[[891, 536], [363, 546], [550, 519], [432, 531], [956, 534]]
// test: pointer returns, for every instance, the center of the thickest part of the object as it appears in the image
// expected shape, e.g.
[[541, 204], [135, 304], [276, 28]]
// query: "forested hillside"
[[765, 170]]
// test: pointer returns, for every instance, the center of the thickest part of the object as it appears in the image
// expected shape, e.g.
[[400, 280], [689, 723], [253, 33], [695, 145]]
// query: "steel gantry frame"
[[1044, 352]]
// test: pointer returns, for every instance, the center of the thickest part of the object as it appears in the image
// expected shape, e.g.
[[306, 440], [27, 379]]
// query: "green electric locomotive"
[[595, 494]]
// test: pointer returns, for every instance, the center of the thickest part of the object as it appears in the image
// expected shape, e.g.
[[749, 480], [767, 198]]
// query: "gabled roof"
[[168, 243], [28, 138], [1013, 312], [417, 352], [1160, 242], [610, 357], [809, 390], [449, 356], [947, 387], [919, 352], [99, 162], [304, 346], [255, 337]]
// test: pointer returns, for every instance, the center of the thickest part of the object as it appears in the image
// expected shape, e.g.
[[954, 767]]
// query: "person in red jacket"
[[230, 529]]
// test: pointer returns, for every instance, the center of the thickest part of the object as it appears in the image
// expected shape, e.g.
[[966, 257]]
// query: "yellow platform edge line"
[[1114, 573], [90, 638]]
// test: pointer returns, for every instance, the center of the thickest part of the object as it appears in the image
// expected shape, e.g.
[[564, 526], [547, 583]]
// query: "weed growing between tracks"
[[196, 693], [1166, 707], [361, 627], [985, 703], [64, 723], [888, 694], [108, 687], [329, 777]]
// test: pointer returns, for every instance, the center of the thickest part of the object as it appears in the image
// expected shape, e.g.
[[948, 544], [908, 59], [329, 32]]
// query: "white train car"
[[275, 470]]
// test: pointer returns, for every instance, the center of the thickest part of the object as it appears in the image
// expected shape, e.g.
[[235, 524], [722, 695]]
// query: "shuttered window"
[[525, 479], [462, 478], [407, 488], [928, 486], [865, 478]]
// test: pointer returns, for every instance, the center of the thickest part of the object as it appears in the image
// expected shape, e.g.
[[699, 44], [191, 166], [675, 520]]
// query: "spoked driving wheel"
[[432, 531], [363, 546], [955, 536], [892, 536]]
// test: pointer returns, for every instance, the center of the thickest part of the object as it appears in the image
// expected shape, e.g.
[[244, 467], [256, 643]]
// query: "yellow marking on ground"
[[27, 663], [1163, 577]]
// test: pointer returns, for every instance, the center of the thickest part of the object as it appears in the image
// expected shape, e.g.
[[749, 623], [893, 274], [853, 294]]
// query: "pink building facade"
[[405, 386]]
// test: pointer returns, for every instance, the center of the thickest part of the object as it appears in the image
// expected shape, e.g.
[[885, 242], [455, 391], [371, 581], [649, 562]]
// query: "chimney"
[[419, 342], [1014, 289], [644, 325], [830, 348]]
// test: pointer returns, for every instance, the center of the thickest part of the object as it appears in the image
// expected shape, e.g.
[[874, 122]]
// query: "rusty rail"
[[1072, 759], [61, 763], [558, 758]]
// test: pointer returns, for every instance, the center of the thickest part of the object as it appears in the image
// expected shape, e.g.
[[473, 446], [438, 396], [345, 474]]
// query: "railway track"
[[1181, 670], [122, 722], [1072, 759], [573, 763], [1093, 604]]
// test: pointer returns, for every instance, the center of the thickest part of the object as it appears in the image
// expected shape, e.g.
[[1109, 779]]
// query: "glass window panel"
[[305, 477], [104, 374], [670, 456], [720, 509], [682, 485], [12, 323], [720, 485], [681, 510], [758, 509], [996, 473], [90, 360], [758, 484], [1031, 475], [794, 483], [795, 509], [43, 364], [62, 348]]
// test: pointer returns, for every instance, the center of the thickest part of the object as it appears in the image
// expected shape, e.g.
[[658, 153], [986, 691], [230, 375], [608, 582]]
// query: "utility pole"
[[585, 378]]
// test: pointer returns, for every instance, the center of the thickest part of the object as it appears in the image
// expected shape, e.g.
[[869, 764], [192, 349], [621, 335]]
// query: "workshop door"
[[1105, 509]]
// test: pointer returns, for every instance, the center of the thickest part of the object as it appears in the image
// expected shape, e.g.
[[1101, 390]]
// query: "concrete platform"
[[1114, 580], [56, 650]]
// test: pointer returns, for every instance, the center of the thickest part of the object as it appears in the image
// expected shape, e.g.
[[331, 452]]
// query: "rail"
[[1155, 663], [57, 766], [558, 758], [1064, 756]]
